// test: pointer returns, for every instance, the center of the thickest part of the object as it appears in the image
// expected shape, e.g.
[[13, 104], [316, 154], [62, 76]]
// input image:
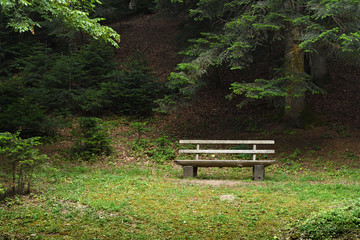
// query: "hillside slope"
[[152, 36]]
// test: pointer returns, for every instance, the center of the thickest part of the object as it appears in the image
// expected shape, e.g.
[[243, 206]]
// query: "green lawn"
[[79, 201]]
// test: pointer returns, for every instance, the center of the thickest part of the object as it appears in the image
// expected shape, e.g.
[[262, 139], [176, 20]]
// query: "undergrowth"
[[339, 223]]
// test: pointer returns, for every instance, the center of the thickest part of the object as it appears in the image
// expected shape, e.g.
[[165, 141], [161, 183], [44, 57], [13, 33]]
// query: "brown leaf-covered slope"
[[153, 36]]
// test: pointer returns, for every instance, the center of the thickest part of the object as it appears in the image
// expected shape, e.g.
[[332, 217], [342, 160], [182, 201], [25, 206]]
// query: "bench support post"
[[189, 171], [258, 172]]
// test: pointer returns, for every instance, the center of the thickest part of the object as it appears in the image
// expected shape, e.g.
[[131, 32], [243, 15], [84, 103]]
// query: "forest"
[[95, 96]]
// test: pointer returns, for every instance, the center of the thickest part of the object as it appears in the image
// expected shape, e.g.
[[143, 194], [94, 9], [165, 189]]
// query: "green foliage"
[[330, 224], [18, 161], [85, 81], [27, 16], [133, 89], [140, 128], [158, 150], [242, 27], [92, 139], [278, 87], [58, 81], [26, 115], [296, 154], [21, 112]]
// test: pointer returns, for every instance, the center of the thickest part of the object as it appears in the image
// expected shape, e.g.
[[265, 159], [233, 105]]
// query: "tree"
[[19, 158], [244, 27], [27, 15]]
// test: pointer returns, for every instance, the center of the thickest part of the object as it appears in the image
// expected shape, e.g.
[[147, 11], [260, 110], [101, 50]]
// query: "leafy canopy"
[[26, 15]]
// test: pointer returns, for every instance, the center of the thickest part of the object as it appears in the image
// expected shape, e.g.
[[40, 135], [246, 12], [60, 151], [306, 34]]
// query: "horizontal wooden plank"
[[227, 141], [224, 163], [230, 151]]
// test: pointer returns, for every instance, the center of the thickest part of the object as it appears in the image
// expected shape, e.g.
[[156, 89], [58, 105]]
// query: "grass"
[[102, 201]]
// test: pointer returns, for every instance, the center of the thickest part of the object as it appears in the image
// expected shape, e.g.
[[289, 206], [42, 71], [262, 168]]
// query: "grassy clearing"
[[80, 201]]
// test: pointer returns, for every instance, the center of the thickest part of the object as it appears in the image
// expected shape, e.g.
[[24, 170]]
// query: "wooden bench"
[[190, 166]]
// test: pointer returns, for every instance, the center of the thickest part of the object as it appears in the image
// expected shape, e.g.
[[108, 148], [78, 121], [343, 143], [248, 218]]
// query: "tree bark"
[[319, 68], [294, 105]]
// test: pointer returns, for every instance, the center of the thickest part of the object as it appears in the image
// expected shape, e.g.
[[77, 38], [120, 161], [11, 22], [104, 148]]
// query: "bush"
[[131, 91], [21, 113], [92, 139], [19, 158], [87, 80], [26, 116], [332, 224]]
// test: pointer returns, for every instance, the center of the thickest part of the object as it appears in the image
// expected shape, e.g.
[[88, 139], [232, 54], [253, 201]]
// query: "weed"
[[250, 125], [140, 128], [351, 156], [327, 136], [311, 153], [289, 131], [315, 147], [158, 150], [331, 152], [283, 158], [342, 130], [295, 154]]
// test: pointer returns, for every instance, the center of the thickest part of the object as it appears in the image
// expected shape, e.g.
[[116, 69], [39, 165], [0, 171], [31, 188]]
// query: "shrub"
[[162, 150], [336, 223], [19, 158], [26, 116], [87, 80], [21, 113], [132, 90], [92, 139], [157, 150]]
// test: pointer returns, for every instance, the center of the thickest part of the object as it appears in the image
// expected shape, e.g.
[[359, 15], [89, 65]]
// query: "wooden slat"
[[224, 163], [227, 141], [225, 151]]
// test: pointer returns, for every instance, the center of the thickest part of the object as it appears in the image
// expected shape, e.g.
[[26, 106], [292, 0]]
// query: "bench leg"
[[189, 171], [258, 173]]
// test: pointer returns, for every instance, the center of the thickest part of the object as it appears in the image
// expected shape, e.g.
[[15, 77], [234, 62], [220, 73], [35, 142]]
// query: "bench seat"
[[224, 163]]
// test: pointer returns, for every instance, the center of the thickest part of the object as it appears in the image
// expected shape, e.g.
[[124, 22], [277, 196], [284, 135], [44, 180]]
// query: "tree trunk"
[[294, 105], [319, 68]]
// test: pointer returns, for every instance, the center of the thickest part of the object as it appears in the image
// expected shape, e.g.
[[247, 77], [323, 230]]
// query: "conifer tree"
[[244, 26]]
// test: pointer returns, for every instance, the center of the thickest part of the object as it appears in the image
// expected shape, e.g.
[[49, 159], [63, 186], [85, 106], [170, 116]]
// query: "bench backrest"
[[252, 151]]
